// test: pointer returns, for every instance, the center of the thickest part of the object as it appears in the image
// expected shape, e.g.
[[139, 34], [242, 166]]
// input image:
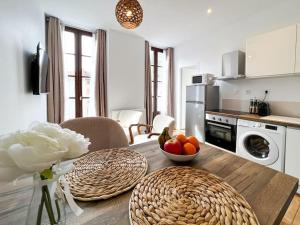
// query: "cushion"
[[162, 121], [128, 117]]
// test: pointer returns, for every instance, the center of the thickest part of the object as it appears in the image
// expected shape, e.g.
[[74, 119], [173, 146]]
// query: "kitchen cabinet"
[[297, 67], [271, 53], [292, 154]]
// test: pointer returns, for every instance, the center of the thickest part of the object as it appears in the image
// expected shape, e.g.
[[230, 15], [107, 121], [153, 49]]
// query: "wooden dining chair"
[[104, 133]]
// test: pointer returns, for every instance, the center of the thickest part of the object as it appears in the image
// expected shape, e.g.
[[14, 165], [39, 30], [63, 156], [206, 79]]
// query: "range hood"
[[233, 65]]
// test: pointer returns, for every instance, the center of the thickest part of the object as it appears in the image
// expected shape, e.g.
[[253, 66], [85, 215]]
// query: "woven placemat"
[[106, 173], [186, 196]]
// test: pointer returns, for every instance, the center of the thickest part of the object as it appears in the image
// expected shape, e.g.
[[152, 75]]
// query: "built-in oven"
[[221, 131]]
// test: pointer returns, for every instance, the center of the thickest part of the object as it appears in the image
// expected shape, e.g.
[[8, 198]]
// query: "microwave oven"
[[203, 79]]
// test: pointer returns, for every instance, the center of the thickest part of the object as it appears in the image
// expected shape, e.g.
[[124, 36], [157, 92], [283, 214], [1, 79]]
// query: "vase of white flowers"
[[47, 206], [43, 151]]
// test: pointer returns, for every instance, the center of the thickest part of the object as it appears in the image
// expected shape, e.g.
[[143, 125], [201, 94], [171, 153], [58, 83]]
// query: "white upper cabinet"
[[297, 69], [272, 53]]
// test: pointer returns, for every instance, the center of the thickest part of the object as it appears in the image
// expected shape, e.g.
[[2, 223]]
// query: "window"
[[79, 72], [159, 81]]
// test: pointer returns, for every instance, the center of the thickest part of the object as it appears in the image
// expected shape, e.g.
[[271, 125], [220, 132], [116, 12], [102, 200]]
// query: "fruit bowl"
[[179, 148], [180, 158]]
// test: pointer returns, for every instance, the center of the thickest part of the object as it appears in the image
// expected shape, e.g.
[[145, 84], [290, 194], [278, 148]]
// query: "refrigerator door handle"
[[196, 102]]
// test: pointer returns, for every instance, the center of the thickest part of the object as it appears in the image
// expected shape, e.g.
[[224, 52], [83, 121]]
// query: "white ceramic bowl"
[[180, 158]]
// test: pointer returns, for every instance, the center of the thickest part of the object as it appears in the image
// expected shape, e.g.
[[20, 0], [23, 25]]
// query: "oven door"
[[221, 135]]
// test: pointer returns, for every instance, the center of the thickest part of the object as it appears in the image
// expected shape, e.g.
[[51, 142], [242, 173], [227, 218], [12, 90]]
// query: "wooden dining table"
[[268, 191]]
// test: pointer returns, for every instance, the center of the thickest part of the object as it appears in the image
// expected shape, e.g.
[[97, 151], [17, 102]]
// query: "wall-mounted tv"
[[39, 71]]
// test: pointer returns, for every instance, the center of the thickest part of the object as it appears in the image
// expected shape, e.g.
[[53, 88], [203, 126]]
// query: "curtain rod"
[[70, 25]]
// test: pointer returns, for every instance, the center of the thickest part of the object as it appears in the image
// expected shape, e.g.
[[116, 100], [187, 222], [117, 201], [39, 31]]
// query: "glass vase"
[[48, 205]]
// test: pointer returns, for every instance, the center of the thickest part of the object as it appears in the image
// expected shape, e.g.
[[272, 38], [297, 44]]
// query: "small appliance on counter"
[[221, 131], [260, 107], [263, 109], [199, 98]]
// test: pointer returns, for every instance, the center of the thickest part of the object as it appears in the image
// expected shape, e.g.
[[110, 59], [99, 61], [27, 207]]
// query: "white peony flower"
[[31, 151], [76, 143], [37, 149]]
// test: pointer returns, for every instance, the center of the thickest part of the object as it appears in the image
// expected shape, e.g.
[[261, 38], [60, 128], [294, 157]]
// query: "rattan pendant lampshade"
[[129, 13]]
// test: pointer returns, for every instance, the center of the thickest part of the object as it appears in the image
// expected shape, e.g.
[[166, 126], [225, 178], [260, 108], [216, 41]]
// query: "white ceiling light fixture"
[[209, 11]]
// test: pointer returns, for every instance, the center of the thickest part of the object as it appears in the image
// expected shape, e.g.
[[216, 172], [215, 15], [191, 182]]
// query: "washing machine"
[[261, 143]]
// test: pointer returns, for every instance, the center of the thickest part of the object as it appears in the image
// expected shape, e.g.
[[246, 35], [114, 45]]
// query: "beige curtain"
[[171, 92], [55, 99], [148, 83], [101, 74]]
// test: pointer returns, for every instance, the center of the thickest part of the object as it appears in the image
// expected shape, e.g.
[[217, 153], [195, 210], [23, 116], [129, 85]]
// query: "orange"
[[181, 138], [189, 149], [194, 141]]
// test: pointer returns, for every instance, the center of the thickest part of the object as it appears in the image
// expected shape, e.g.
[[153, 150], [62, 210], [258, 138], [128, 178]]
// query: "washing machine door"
[[258, 147]]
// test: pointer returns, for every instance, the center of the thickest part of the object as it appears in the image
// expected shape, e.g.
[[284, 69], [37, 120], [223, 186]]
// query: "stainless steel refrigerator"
[[199, 98]]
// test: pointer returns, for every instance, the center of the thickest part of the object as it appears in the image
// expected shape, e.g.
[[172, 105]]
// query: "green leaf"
[[47, 174]]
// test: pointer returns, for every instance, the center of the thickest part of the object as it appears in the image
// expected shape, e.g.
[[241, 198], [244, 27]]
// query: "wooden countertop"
[[229, 113], [268, 192], [277, 120]]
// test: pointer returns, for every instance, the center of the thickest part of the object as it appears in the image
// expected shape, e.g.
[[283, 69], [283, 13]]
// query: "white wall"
[[207, 51], [21, 28], [126, 66], [280, 89]]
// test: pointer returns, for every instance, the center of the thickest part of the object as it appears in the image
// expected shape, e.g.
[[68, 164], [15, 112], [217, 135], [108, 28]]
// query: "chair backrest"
[[104, 133], [162, 121], [127, 117]]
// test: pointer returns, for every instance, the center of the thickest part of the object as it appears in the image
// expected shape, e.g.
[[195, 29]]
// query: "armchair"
[[127, 117], [152, 131]]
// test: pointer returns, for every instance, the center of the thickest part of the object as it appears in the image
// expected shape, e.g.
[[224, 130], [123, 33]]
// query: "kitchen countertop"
[[268, 191], [229, 113], [273, 119], [278, 120]]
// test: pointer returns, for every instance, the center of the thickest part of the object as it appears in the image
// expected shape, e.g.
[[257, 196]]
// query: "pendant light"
[[129, 13]]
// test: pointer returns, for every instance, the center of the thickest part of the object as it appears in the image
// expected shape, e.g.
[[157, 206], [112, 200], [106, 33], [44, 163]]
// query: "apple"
[[173, 146]]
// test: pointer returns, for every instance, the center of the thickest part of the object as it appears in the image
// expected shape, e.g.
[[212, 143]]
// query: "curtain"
[[148, 85], [55, 98], [170, 71], [101, 74]]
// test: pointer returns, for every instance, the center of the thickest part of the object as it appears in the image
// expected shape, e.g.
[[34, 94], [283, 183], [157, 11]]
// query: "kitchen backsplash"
[[280, 108]]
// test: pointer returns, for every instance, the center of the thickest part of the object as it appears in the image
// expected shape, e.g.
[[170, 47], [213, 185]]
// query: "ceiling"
[[166, 22]]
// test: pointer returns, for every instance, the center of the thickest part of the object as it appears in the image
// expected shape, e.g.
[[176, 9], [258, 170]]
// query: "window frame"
[[155, 51], [78, 68]]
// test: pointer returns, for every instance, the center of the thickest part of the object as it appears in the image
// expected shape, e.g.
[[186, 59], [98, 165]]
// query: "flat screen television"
[[39, 71]]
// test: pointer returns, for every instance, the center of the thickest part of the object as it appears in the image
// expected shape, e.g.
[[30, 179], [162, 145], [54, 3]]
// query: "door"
[[221, 135], [258, 147], [292, 166], [195, 120], [272, 53], [78, 63], [297, 67], [195, 93]]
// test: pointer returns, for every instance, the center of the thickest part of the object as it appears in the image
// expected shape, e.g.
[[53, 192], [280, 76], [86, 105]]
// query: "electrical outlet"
[[248, 92]]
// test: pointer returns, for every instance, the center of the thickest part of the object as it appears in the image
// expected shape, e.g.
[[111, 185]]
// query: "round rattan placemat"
[[106, 173], [187, 196]]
